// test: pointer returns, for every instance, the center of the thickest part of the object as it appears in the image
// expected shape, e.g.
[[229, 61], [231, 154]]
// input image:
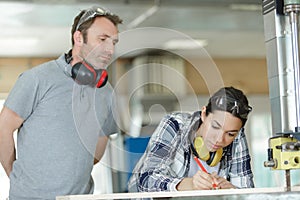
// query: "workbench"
[[277, 193]]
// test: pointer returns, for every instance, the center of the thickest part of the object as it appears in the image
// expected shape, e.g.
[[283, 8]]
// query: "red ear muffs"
[[83, 73]]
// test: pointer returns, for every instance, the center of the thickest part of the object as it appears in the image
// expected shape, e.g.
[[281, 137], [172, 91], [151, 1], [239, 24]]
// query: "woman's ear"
[[203, 113]]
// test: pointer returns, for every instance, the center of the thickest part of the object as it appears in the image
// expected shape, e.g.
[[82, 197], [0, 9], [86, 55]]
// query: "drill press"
[[282, 52]]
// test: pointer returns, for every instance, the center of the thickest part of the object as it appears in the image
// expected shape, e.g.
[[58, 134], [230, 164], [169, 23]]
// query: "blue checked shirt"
[[166, 160]]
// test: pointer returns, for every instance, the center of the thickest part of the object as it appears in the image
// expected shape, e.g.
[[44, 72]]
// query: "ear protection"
[[200, 150], [83, 73]]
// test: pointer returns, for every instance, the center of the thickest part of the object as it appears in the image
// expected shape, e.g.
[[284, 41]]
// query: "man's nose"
[[110, 50], [109, 47]]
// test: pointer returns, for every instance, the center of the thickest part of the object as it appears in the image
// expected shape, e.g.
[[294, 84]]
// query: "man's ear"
[[203, 113], [78, 38]]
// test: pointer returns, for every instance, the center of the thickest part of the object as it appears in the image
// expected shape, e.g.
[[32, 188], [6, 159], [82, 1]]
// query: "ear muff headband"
[[199, 150], [215, 157]]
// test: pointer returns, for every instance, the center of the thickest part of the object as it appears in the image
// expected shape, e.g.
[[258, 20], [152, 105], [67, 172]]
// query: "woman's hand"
[[203, 181], [221, 182], [200, 181]]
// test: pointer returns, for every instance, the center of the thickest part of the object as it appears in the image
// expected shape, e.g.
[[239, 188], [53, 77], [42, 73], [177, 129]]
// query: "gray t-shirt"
[[62, 121]]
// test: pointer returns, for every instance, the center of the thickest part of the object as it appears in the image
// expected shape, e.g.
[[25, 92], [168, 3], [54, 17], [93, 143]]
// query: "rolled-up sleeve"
[[154, 172]]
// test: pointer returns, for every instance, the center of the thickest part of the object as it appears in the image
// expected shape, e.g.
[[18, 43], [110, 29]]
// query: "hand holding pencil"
[[217, 181], [202, 180], [214, 184]]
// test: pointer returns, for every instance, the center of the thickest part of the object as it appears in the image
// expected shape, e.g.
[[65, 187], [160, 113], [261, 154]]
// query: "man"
[[63, 112], [199, 151]]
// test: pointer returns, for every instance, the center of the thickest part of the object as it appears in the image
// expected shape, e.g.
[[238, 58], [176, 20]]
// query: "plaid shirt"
[[166, 160]]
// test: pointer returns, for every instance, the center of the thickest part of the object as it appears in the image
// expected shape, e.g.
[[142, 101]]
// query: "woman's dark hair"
[[231, 100]]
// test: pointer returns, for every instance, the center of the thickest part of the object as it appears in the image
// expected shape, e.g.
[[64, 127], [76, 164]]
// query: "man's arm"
[[9, 122], [100, 148]]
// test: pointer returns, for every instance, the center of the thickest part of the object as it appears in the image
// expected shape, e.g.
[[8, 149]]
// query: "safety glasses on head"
[[92, 13], [231, 105]]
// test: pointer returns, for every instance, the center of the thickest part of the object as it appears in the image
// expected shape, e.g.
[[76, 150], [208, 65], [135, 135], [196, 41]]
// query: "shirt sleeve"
[[240, 173], [23, 97], [107, 112], [155, 173], [110, 125]]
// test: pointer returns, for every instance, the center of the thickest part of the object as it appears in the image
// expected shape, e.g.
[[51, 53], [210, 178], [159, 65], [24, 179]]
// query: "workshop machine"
[[281, 21]]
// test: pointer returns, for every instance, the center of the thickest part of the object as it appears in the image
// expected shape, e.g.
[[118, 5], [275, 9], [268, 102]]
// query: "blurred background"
[[172, 54]]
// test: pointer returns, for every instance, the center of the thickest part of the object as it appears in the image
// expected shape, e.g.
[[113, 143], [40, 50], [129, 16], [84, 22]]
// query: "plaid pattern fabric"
[[166, 160]]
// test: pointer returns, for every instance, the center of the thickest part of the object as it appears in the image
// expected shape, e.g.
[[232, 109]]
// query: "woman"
[[183, 143]]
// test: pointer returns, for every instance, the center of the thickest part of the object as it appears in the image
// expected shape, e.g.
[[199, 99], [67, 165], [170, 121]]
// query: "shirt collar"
[[63, 65]]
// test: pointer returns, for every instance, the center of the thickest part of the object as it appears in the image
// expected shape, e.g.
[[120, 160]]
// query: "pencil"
[[199, 164], [203, 169]]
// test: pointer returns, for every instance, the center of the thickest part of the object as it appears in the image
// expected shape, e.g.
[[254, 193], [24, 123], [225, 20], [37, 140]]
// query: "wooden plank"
[[250, 75], [199, 193]]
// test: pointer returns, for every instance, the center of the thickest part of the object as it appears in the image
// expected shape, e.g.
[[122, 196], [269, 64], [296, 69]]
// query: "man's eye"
[[101, 39], [115, 42]]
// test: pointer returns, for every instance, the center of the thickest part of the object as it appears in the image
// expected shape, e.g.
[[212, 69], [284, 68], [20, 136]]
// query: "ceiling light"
[[18, 41], [185, 44], [246, 7]]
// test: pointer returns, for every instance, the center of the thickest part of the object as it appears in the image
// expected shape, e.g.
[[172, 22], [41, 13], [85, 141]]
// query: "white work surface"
[[253, 193]]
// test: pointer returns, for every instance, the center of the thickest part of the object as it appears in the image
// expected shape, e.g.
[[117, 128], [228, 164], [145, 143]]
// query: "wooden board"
[[270, 192]]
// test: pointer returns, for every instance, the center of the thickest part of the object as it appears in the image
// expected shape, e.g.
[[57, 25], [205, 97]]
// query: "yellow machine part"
[[284, 159]]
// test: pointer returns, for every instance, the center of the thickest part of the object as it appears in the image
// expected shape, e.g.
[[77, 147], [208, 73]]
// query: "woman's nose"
[[220, 137]]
